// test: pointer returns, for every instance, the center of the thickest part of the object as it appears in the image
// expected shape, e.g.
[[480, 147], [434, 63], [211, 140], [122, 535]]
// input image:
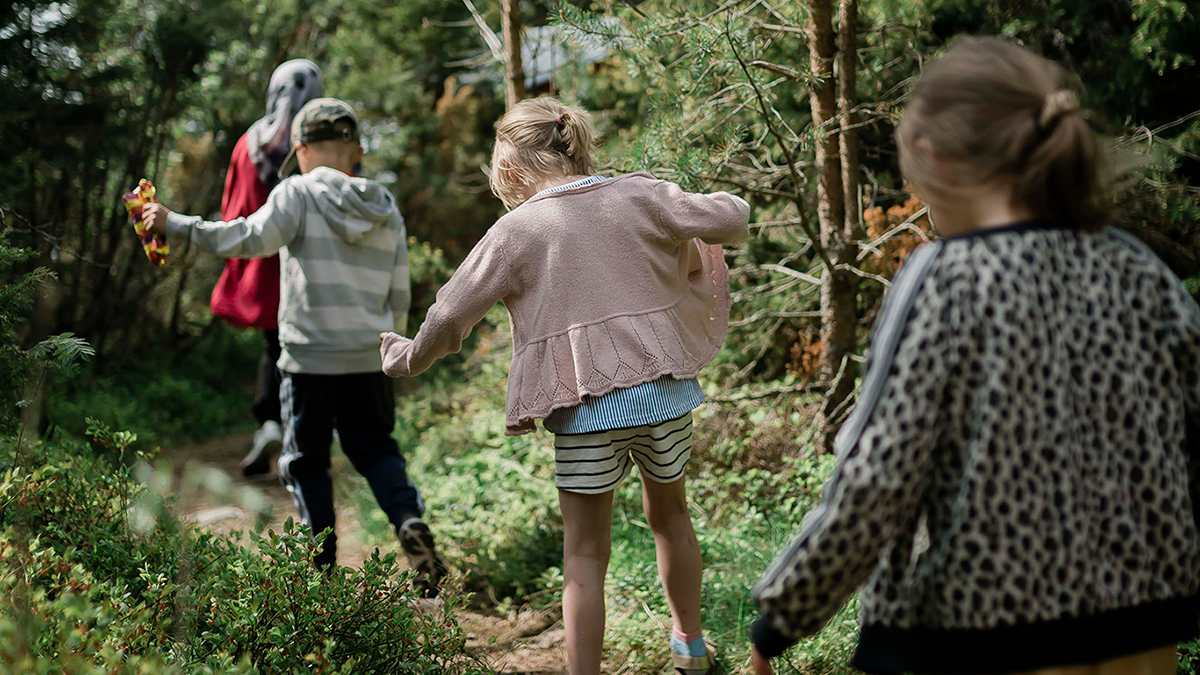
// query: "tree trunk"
[[837, 321], [514, 71], [839, 296], [847, 102]]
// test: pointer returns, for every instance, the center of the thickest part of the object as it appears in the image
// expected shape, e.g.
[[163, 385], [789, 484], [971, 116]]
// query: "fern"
[[17, 291], [64, 353]]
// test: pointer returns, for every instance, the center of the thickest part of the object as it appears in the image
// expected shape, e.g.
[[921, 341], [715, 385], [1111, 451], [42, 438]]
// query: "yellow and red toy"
[[155, 246]]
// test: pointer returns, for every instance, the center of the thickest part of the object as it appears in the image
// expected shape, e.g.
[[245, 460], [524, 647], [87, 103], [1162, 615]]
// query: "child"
[[618, 295], [345, 277], [1017, 488], [247, 293]]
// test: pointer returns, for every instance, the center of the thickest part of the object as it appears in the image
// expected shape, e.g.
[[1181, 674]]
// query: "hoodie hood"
[[353, 207]]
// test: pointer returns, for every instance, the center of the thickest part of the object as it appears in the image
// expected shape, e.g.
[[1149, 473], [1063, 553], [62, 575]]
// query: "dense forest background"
[[746, 96], [100, 93]]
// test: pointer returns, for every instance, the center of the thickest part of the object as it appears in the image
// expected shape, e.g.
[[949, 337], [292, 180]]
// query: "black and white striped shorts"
[[597, 462]]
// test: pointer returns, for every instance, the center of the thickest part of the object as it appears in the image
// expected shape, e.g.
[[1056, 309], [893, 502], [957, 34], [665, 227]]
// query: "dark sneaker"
[[417, 542], [268, 441]]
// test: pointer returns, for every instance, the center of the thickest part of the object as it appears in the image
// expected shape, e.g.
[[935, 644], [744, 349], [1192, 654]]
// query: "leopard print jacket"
[[1017, 486]]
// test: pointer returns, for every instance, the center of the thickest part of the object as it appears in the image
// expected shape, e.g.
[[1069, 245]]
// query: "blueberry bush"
[[86, 588]]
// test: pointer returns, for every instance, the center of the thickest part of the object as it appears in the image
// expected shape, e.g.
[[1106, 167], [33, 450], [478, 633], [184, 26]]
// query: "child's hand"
[[154, 218], [394, 350]]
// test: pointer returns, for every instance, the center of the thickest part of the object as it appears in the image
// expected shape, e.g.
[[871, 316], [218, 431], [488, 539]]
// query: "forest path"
[[521, 642]]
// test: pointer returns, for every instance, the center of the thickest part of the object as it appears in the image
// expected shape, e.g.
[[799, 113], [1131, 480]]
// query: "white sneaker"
[[268, 441]]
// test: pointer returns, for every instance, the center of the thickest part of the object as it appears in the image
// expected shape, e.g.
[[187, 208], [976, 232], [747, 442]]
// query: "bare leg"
[[678, 551], [587, 542]]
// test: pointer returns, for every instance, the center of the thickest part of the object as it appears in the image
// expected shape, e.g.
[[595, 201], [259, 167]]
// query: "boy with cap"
[[344, 280]]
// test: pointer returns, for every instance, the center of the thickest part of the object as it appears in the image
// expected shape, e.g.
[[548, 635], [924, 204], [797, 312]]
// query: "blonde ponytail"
[[576, 132], [539, 138]]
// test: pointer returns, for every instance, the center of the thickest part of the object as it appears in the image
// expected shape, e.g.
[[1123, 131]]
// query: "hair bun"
[[1057, 104]]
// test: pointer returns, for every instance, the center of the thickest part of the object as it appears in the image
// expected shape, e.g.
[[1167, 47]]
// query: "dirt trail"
[[524, 642]]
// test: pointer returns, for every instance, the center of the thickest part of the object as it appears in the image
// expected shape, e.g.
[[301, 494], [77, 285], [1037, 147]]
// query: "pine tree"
[[734, 108]]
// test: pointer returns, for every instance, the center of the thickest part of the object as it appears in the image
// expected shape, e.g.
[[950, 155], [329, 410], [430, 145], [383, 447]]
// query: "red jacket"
[[247, 294]]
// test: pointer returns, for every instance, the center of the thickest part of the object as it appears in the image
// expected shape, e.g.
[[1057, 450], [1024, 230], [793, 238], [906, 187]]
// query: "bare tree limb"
[[866, 275], [759, 316], [908, 224], [789, 73], [1145, 133], [489, 36], [792, 273], [767, 224], [770, 192], [784, 148], [839, 413], [782, 29], [811, 387]]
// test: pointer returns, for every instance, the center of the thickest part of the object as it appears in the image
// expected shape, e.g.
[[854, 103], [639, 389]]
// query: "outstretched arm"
[[258, 235], [718, 218], [884, 451], [480, 282]]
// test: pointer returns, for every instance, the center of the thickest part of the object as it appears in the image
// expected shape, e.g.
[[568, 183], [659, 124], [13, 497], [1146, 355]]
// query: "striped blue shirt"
[[649, 403], [590, 180]]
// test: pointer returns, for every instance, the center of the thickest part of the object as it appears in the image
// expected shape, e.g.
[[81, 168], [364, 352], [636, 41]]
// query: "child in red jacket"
[[247, 294]]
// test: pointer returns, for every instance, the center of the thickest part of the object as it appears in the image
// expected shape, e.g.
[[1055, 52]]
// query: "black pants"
[[266, 397], [362, 407]]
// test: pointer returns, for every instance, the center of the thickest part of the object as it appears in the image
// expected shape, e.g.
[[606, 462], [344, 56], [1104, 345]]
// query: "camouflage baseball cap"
[[321, 119]]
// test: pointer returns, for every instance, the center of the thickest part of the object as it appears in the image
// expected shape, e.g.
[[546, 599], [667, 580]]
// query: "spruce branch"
[[767, 110]]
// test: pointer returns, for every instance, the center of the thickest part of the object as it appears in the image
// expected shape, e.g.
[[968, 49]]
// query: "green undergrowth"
[[202, 394], [98, 577], [492, 502]]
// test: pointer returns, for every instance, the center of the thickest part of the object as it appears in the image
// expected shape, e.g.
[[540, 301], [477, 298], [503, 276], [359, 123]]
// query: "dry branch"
[[759, 316], [908, 224], [789, 73], [784, 147], [866, 275], [811, 387], [489, 36], [792, 273]]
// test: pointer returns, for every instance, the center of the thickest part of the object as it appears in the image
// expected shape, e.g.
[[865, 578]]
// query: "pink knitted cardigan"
[[607, 285]]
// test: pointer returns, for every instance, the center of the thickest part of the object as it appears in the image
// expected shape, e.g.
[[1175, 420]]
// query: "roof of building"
[[544, 51]]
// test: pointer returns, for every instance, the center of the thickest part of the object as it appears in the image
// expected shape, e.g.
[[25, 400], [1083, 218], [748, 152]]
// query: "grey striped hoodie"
[[343, 260]]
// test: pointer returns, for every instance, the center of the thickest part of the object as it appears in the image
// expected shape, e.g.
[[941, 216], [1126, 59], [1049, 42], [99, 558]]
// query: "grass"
[[492, 501], [736, 550]]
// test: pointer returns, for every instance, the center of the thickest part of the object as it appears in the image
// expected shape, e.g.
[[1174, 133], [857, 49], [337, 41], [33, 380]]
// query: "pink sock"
[[688, 637]]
